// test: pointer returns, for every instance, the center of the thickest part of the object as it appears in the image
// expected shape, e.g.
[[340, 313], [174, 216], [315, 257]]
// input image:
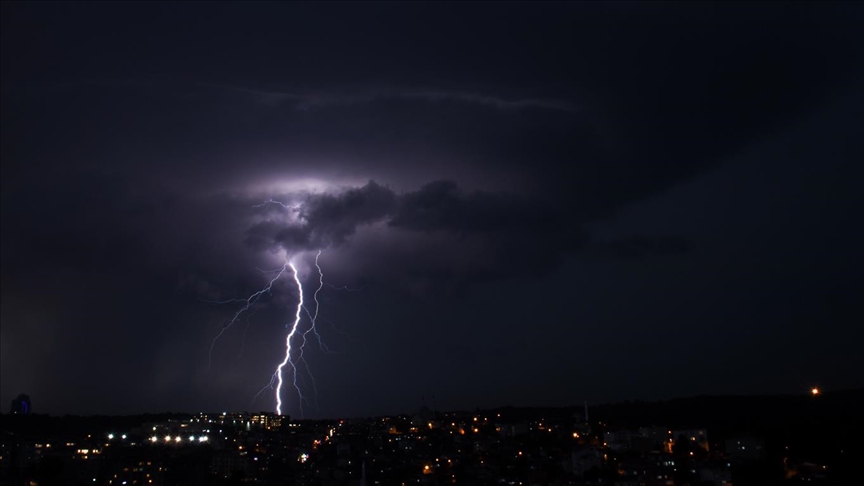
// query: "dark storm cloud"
[[323, 220], [443, 206], [646, 100], [138, 138], [310, 101], [328, 220], [498, 234], [639, 246]]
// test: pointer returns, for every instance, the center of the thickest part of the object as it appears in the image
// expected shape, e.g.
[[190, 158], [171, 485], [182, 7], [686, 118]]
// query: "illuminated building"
[[268, 421], [698, 437], [621, 440]]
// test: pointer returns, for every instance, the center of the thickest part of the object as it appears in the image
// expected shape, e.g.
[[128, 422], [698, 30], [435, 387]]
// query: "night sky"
[[517, 204]]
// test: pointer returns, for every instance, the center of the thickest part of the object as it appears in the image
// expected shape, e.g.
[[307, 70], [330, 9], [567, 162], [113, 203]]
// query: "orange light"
[[814, 391]]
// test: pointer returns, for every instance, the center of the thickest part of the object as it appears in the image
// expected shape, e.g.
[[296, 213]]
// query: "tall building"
[[21, 405]]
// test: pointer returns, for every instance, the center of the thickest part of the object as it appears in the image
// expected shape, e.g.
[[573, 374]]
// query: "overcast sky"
[[516, 204]]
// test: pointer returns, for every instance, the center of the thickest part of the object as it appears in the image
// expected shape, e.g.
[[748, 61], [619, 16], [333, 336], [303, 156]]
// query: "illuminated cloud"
[[302, 101]]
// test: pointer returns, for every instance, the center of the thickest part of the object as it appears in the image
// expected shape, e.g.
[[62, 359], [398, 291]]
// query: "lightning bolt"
[[293, 352], [249, 302], [277, 377], [278, 203], [314, 317], [287, 359], [290, 361]]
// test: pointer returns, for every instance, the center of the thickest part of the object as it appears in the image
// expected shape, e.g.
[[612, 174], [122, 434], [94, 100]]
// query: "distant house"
[[650, 439], [225, 464], [621, 440], [697, 437], [647, 470], [745, 447], [512, 429]]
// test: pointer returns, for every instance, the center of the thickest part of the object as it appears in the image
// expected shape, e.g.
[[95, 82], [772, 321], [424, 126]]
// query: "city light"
[[110, 436], [815, 391], [429, 466]]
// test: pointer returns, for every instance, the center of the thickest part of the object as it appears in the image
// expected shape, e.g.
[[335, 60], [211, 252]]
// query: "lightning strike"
[[278, 203], [277, 377], [287, 359], [293, 351], [294, 354], [251, 300], [314, 317]]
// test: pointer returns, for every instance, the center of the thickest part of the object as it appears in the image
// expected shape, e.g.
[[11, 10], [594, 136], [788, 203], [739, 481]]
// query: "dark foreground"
[[776, 440]]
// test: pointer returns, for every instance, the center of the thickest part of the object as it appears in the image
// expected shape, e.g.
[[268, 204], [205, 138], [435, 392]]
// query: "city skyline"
[[683, 441], [526, 204]]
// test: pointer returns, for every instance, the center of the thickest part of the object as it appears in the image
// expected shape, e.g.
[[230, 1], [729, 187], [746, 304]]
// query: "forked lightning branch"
[[295, 340]]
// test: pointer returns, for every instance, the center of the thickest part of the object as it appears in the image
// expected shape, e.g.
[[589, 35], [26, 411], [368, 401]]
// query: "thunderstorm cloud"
[[503, 223], [549, 186]]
